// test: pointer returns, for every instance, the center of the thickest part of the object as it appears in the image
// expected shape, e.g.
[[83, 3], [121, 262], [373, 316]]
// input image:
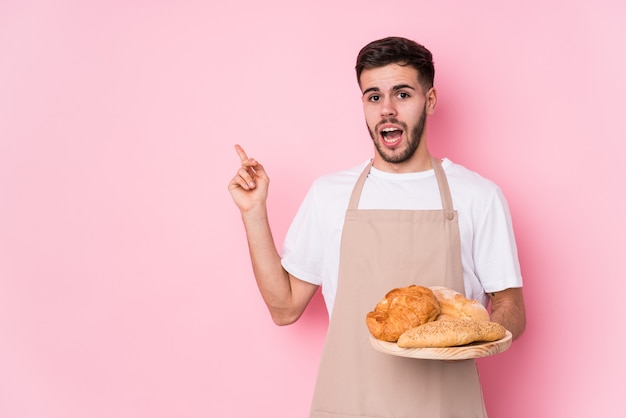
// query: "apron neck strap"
[[442, 182]]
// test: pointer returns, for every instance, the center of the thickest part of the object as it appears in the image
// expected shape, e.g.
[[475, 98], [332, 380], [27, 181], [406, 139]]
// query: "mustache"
[[391, 120]]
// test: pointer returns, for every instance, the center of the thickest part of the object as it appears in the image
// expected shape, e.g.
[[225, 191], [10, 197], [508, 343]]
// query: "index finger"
[[242, 154]]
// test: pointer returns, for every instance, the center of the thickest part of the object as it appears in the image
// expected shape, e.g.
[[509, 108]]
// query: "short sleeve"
[[495, 252], [302, 254]]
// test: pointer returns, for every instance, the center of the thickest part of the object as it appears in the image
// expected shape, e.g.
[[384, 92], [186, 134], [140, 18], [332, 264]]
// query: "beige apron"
[[381, 250]]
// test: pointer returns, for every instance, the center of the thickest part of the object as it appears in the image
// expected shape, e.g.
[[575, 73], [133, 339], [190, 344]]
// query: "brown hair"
[[401, 51]]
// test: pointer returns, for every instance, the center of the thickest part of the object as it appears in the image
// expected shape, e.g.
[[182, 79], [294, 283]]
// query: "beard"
[[413, 139]]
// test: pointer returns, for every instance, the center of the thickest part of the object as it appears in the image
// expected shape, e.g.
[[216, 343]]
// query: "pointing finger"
[[242, 154]]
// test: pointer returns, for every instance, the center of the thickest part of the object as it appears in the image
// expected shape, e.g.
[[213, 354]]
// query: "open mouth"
[[391, 135]]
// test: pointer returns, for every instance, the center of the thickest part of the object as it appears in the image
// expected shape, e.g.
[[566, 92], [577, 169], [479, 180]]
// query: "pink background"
[[125, 284]]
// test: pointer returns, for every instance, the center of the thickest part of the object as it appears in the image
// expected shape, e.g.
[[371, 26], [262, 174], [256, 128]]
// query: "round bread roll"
[[454, 305], [400, 310]]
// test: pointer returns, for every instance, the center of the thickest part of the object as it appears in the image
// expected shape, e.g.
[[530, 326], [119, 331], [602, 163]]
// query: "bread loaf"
[[400, 310], [445, 333], [454, 305]]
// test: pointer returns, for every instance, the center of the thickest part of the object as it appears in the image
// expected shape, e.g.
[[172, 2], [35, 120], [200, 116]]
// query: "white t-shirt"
[[488, 251]]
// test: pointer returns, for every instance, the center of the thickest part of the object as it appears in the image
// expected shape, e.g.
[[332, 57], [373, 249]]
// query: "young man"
[[402, 218]]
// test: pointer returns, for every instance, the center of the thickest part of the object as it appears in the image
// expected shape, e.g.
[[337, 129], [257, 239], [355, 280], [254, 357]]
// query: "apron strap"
[[358, 187], [442, 182]]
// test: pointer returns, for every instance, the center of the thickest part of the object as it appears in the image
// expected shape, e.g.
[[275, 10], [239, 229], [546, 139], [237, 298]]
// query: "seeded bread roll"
[[437, 334], [456, 306], [400, 310]]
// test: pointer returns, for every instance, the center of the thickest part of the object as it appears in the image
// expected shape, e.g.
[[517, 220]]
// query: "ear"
[[431, 101]]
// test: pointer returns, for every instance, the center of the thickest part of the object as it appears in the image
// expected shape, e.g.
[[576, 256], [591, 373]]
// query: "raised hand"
[[249, 186]]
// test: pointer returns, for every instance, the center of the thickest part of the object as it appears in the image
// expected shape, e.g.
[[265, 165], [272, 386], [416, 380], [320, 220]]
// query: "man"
[[402, 218]]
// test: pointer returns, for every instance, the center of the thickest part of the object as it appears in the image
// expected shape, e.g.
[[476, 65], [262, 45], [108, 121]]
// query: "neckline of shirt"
[[407, 176]]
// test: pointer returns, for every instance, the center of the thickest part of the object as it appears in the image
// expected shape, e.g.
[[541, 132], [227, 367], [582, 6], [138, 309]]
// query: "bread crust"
[[455, 305], [451, 333], [400, 310]]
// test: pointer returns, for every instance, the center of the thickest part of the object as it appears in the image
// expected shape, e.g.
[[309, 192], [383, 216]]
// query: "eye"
[[403, 95], [374, 98]]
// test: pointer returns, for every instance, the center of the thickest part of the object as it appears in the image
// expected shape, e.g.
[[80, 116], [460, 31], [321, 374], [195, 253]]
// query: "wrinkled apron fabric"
[[382, 250]]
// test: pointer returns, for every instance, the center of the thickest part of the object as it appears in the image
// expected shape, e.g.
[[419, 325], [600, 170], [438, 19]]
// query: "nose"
[[387, 107]]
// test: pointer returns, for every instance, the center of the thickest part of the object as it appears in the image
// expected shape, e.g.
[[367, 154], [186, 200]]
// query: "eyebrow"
[[395, 88]]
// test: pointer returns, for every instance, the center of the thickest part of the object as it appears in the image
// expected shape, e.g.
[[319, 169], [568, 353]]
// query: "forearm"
[[271, 278], [286, 297], [507, 309]]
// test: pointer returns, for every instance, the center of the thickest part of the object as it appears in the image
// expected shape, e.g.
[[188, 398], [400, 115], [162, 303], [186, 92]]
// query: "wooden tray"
[[464, 352]]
